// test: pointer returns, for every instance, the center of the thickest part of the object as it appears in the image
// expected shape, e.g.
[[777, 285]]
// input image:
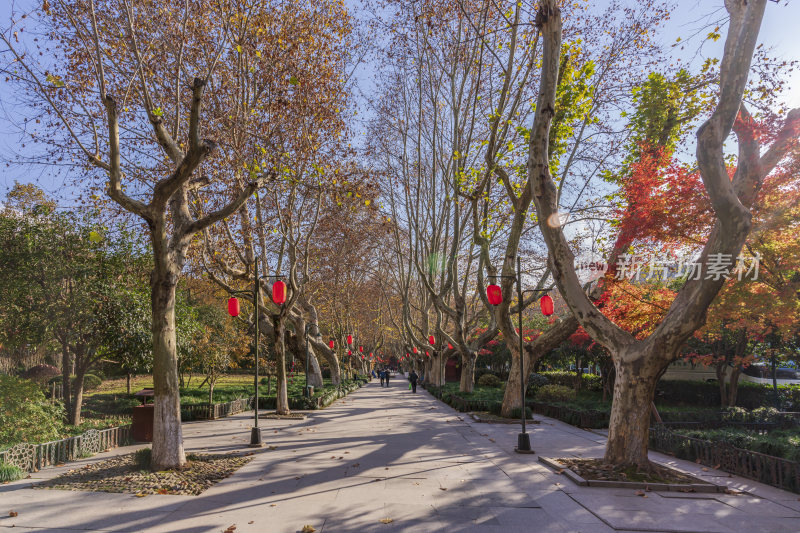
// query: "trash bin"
[[142, 425], [308, 391]]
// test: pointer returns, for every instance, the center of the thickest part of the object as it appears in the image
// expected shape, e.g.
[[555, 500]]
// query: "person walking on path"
[[387, 377], [413, 377], [383, 376]]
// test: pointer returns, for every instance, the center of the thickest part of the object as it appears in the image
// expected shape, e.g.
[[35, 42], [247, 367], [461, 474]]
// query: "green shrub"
[[10, 472], [480, 372], [143, 458], [91, 382], [555, 393], [489, 380], [535, 382], [590, 382], [26, 415]]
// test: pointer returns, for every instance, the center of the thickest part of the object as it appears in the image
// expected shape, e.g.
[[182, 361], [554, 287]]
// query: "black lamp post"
[[495, 296], [306, 391], [279, 298]]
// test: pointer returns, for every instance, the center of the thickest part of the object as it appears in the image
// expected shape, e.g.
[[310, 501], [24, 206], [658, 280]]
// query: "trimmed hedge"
[[555, 393], [489, 380], [590, 382], [750, 395]]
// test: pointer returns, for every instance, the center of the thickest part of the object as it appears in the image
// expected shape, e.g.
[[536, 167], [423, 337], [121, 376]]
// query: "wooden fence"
[[768, 469], [32, 457]]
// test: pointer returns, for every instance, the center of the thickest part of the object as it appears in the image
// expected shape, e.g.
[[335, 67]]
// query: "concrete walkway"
[[389, 454]]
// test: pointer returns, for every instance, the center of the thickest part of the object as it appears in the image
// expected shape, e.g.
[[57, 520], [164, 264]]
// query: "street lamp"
[[279, 298], [495, 296], [306, 390]]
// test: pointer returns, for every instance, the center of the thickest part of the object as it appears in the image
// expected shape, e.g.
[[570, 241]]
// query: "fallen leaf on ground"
[[442, 488], [273, 505], [704, 469], [492, 440], [560, 471], [308, 529], [387, 520], [251, 521], [231, 528], [641, 493], [140, 495], [356, 465], [163, 491], [13, 514]]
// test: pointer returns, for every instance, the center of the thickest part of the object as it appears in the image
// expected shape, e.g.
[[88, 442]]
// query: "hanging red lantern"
[[349, 352], [546, 303], [349, 339], [279, 292], [431, 340], [360, 348], [370, 355], [233, 306], [415, 349], [426, 353], [449, 346], [331, 344], [494, 294]]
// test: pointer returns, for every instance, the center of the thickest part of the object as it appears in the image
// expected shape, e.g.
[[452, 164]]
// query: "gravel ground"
[[123, 474]]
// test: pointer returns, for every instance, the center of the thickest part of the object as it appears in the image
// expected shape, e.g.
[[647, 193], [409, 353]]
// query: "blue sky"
[[779, 31]]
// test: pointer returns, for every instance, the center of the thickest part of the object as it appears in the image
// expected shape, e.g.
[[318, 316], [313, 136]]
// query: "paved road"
[[385, 453]]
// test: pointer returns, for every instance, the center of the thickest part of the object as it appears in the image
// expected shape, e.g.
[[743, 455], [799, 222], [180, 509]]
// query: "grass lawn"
[[111, 398]]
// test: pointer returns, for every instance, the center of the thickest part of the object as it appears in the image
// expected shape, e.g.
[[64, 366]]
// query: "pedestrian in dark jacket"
[[387, 377], [413, 377], [383, 377]]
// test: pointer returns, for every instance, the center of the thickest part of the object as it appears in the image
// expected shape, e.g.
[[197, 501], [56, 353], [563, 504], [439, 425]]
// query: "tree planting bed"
[[594, 473], [125, 473]]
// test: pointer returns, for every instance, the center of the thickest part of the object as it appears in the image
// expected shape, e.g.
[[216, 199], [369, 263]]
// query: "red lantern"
[[494, 294], [349, 339], [431, 340], [360, 348], [331, 344], [349, 352], [233, 306], [546, 303], [407, 355], [370, 355], [279, 292], [415, 349], [426, 353], [449, 346]]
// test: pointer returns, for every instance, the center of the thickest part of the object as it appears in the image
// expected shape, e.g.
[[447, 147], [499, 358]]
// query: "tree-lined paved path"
[[389, 454]]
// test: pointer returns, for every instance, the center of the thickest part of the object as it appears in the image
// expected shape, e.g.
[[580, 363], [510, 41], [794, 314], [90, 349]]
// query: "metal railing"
[[33, 457], [768, 469], [206, 411]]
